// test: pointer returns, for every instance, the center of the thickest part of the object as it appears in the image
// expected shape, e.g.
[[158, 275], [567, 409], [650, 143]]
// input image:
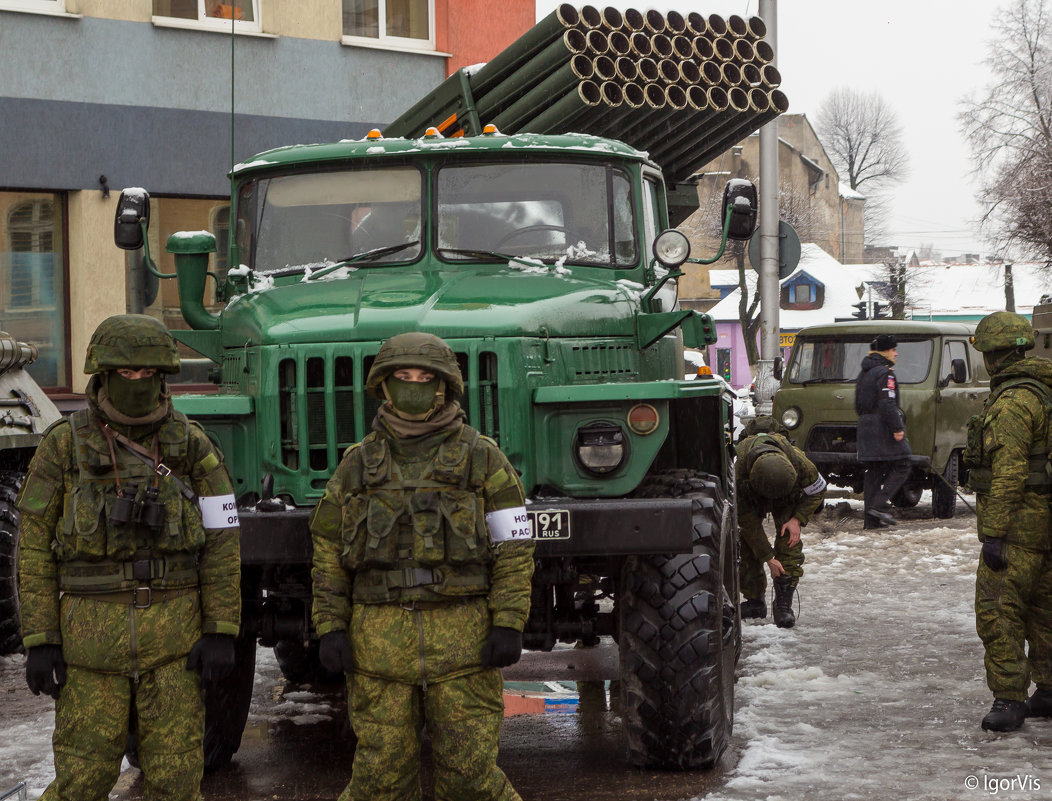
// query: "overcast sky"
[[922, 56]]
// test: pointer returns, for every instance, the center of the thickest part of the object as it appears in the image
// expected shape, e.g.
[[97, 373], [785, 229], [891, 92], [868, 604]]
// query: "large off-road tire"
[[227, 703], [944, 492], [10, 631], [679, 638], [908, 497]]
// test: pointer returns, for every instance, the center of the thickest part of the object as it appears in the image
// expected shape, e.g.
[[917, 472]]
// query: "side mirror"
[[777, 368], [958, 371], [740, 197], [133, 209]]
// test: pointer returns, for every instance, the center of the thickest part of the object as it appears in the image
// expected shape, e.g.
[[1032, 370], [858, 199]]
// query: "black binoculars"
[[129, 508]]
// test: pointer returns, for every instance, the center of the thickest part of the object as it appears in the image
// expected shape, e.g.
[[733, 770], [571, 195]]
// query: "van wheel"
[[907, 497], [944, 493]]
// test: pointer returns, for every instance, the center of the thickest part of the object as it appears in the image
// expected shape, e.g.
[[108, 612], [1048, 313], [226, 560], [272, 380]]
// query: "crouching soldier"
[[773, 477], [129, 575]]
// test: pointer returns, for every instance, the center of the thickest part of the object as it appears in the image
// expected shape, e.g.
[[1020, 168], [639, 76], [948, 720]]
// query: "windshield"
[[315, 219], [839, 359], [544, 211]]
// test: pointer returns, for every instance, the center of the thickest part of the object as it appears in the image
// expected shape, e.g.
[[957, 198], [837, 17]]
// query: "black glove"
[[213, 657], [503, 647], [45, 669], [993, 553], [334, 652]]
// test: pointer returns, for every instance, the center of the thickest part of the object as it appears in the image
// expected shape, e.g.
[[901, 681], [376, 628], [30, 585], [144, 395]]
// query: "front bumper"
[[598, 527]]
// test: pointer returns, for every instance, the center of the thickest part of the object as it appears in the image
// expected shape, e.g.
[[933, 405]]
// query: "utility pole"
[[766, 383]]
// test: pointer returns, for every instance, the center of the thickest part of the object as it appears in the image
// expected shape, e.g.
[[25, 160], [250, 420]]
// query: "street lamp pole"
[[766, 383]]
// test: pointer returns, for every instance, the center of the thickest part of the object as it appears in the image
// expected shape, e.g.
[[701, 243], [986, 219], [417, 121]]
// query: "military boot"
[[1039, 705], [753, 607], [1005, 715], [784, 587]]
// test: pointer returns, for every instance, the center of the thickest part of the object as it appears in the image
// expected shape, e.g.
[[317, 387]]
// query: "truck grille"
[[323, 408], [831, 439]]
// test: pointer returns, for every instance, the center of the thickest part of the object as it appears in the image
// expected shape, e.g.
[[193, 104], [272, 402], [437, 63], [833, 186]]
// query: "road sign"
[[788, 250]]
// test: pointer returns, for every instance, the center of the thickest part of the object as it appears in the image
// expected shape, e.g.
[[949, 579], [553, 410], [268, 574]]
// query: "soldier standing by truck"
[[773, 476], [882, 444], [129, 572], [422, 563], [1008, 449]]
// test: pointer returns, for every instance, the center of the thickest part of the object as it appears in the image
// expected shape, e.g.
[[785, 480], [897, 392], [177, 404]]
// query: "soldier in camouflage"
[[422, 565], [1007, 457], [773, 476], [128, 576]]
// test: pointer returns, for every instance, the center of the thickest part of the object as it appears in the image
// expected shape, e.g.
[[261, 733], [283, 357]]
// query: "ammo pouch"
[[972, 457]]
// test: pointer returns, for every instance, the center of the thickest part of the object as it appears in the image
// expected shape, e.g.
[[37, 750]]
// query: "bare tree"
[[1009, 130], [861, 134]]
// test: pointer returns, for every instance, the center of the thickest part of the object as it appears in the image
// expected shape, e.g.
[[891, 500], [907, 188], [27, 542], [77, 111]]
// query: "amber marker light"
[[643, 419], [490, 130], [432, 133], [374, 134]]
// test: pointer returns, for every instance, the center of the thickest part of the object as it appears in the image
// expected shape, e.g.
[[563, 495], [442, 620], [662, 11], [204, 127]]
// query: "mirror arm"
[[644, 302], [723, 241], [147, 260]]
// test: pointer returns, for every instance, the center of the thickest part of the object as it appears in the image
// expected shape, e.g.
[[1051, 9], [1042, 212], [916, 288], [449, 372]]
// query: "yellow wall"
[[96, 274]]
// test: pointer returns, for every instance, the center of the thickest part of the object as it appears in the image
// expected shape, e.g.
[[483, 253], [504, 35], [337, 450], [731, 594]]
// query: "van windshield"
[[839, 359]]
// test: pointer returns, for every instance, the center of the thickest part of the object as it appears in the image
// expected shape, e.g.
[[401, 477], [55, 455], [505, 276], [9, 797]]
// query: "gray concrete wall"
[[150, 106]]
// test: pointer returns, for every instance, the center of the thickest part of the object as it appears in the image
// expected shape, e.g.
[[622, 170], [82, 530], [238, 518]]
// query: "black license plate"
[[550, 524]]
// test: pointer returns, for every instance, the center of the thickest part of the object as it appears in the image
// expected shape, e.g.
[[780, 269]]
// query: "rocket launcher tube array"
[[683, 87]]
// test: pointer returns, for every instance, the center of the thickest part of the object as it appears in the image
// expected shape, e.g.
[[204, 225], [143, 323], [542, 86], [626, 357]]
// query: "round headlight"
[[601, 448], [671, 247], [791, 417]]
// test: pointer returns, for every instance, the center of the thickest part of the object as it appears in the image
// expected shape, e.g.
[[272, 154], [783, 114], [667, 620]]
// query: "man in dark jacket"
[[881, 442]]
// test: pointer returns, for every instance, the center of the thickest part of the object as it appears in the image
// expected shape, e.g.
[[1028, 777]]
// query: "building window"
[[212, 14], [406, 23], [43, 6], [33, 280]]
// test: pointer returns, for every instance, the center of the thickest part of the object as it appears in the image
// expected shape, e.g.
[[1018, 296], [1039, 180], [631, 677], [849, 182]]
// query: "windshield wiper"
[[363, 258], [530, 261]]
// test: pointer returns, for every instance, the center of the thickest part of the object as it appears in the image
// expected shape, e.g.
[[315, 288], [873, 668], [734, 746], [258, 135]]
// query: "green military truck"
[[546, 260], [543, 262], [941, 380], [25, 413]]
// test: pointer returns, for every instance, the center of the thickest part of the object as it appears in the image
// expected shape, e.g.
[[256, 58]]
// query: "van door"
[[957, 401]]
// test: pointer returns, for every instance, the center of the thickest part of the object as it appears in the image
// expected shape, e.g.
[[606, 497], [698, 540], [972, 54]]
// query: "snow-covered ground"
[[879, 690]]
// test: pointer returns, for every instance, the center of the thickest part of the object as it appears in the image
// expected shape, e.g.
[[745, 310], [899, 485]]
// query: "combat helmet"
[[772, 475], [131, 340], [416, 349], [1003, 330]]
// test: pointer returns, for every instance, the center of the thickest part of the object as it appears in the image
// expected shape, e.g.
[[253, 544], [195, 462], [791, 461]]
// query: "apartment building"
[[99, 95]]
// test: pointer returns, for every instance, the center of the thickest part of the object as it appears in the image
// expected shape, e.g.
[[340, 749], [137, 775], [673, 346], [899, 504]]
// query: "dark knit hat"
[[884, 342]]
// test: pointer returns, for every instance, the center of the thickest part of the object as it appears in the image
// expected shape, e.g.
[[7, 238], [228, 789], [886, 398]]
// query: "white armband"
[[218, 511], [817, 487], [509, 524]]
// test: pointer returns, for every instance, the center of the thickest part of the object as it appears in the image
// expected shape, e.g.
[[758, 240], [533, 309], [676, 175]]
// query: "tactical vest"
[[978, 460], [426, 530], [96, 552]]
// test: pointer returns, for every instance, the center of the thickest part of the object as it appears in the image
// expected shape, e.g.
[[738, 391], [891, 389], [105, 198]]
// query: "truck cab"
[[942, 382]]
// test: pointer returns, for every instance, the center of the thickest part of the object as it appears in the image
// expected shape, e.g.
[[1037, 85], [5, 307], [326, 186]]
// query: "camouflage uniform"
[[1008, 457], [125, 602], [801, 502], [405, 564]]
